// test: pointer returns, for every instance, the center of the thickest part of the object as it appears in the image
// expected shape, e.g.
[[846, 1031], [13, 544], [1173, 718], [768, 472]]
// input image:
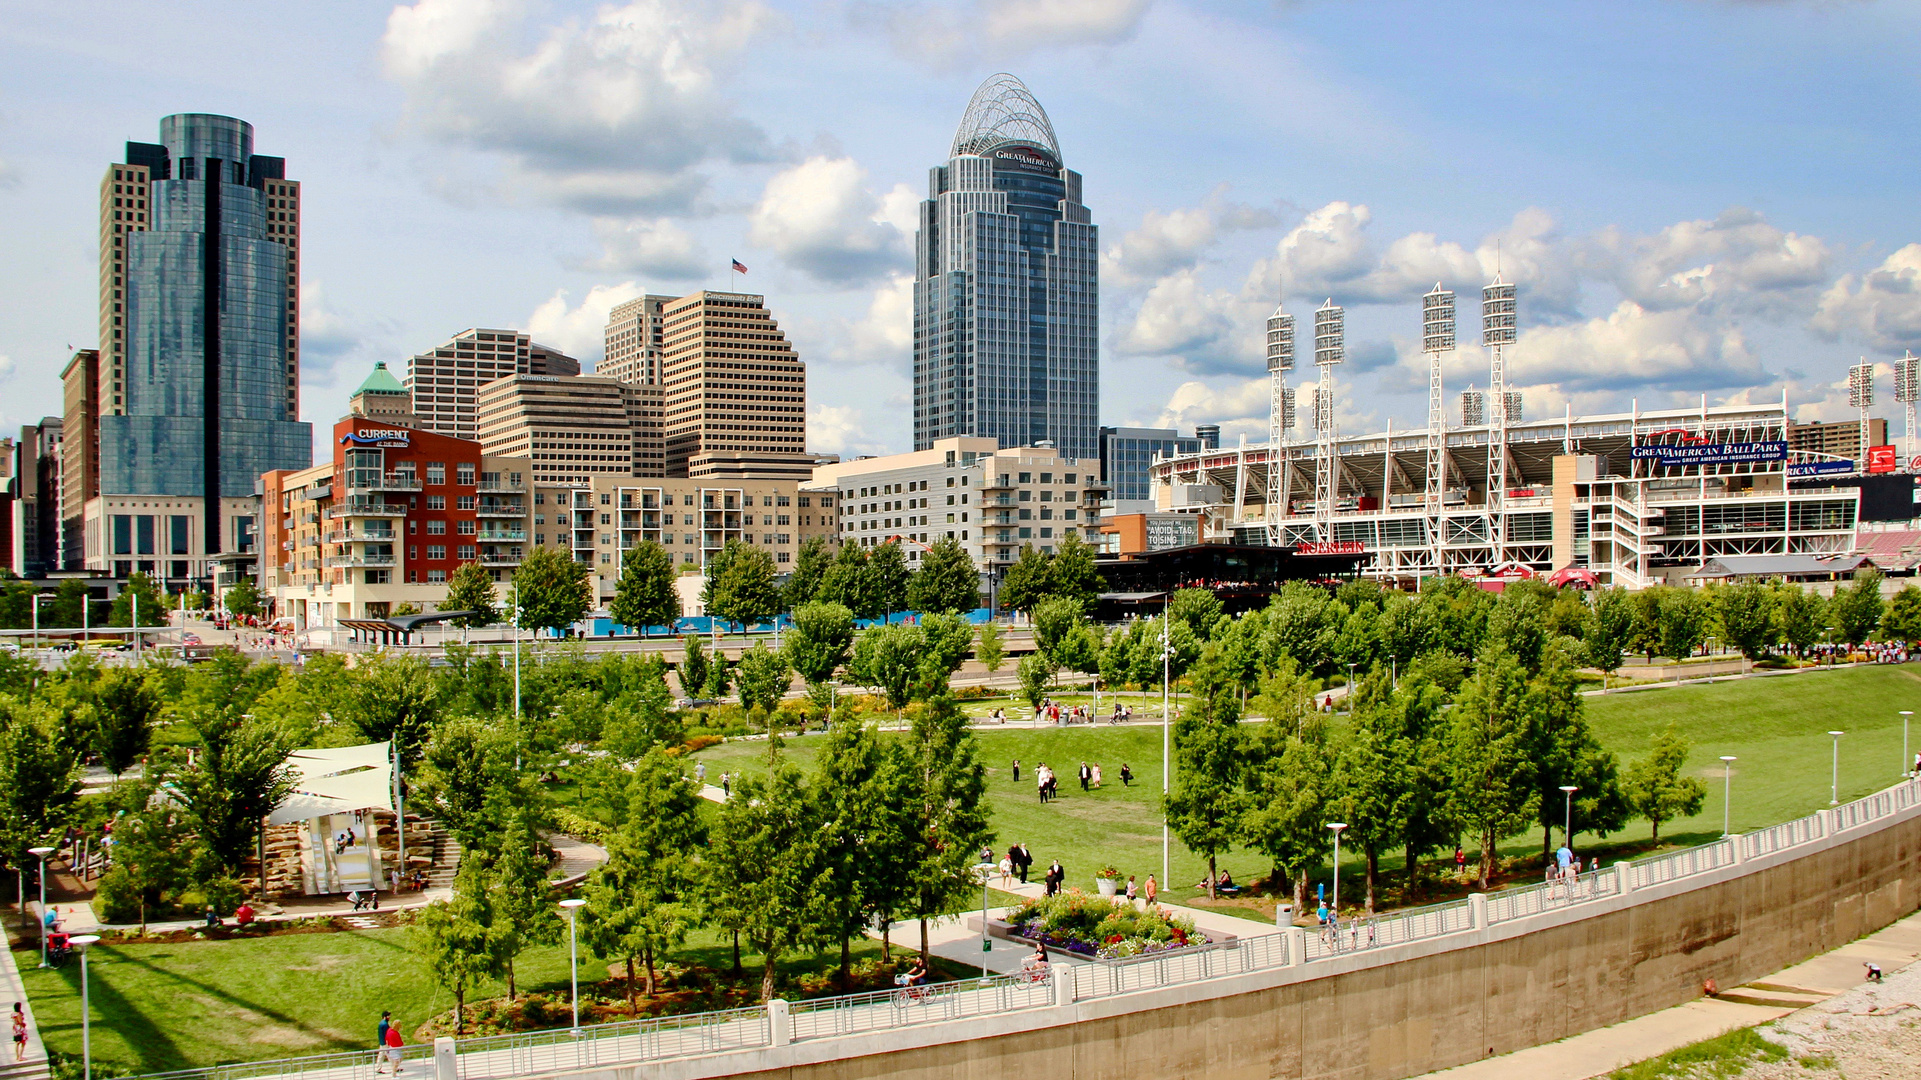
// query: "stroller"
[[59, 946]]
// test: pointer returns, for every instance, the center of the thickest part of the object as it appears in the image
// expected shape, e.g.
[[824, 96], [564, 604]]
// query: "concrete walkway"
[[34, 1063], [1598, 1052]]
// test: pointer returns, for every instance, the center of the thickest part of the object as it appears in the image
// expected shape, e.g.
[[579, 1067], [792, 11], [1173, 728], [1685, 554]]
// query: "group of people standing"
[[1047, 782]]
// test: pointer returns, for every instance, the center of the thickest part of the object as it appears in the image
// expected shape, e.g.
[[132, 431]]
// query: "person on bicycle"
[[916, 975]]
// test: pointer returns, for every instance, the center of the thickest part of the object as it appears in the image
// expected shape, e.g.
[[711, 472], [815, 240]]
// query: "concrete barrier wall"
[[1394, 1012]]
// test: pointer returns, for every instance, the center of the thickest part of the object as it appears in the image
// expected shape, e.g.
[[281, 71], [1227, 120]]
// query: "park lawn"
[[1777, 726], [165, 1006]]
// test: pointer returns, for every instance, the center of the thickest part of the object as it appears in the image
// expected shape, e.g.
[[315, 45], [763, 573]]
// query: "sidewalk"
[[1598, 1052]]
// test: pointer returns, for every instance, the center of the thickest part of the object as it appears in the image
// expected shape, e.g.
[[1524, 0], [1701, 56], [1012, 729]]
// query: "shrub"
[[580, 827], [1092, 926], [117, 900]]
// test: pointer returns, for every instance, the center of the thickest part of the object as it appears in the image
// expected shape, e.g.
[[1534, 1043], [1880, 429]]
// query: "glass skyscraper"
[[201, 395], [1006, 286]]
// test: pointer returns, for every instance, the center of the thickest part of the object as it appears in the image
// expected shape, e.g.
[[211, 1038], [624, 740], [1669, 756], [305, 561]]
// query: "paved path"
[[1598, 1052], [34, 1064]]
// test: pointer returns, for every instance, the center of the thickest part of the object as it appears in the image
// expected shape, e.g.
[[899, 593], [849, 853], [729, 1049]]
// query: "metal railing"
[[1684, 863], [624, 1041], [347, 1065], [1525, 900], [1197, 964], [1779, 837], [882, 1010]]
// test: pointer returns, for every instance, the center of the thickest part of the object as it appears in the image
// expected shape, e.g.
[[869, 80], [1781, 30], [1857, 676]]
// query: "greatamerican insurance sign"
[[1675, 455]]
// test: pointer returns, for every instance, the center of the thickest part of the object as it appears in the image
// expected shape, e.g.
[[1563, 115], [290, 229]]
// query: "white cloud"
[[1881, 307], [652, 246], [1738, 257], [819, 217], [580, 332], [1634, 349], [840, 429], [1241, 404], [1330, 254], [1168, 240], [1033, 23], [1197, 328], [614, 112], [951, 35], [9, 176], [326, 337], [886, 333], [6, 367]]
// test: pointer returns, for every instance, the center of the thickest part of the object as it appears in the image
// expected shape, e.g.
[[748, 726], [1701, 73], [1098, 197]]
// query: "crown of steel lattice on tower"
[[1280, 341], [1497, 314], [1437, 320], [1907, 378], [1860, 385], [1330, 331]]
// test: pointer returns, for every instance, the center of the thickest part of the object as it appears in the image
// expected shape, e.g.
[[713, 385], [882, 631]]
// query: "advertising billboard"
[[1675, 455], [1883, 459]]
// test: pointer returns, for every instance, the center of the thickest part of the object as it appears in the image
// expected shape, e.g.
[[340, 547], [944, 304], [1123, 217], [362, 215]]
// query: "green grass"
[[1720, 1058], [1776, 726], [172, 1006]]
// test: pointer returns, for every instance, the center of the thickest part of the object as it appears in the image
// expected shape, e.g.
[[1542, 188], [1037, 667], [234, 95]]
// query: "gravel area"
[[1872, 1032]]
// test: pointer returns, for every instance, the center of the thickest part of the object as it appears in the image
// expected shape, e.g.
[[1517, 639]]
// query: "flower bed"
[[1101, 928]]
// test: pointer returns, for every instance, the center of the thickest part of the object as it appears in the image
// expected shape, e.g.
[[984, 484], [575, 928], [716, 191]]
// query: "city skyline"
[[1751, 241]]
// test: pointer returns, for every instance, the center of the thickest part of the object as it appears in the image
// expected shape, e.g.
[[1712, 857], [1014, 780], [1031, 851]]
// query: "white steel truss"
[[1907, 390], [1329, 349], [1437, 341], [1497, 332], [1280, 418], [1861, 396]]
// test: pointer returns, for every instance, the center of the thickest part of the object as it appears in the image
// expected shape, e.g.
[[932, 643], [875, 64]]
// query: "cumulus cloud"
[[1197, 328], [614, 112], [653, 246], [952, 34], [1165, 241], [1881, 307], [580, 331], [886, 333], [327, 338], [1240, 404], [1636, 349], [819, 217], [1738, 258], [840, 429]]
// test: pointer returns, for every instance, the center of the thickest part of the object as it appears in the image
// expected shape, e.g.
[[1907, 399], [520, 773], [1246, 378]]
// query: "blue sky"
[[1694, 197]]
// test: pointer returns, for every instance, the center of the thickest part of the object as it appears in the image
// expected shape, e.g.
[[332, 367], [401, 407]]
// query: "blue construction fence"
[[601, 627]]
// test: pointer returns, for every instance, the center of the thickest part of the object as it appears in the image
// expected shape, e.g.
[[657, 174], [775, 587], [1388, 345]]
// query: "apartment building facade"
[[574, 428], [445, 381]]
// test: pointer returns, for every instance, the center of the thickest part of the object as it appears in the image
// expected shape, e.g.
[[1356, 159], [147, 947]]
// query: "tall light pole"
[[1907, 763], [1337, 826], [43, 852], [516, 678], [571, 905], [1167, 737], [1350, 686], [1834, 779], [1567, 814], [1709, 647], [86, 1019], [1727, 793], [37, 597], [984, 868]]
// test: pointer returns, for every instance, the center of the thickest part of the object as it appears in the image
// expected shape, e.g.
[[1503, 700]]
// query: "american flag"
[[739, 267]]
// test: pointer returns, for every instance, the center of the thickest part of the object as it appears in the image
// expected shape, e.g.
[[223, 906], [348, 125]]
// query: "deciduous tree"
[[1204, 806], [645, 595], [471, 588], [551, 588], [947, 580], [1656, 787], [458, 938]]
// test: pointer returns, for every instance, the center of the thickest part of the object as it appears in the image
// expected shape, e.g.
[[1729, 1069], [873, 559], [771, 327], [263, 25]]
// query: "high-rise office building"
[[36, 497], [79, 453], [635, 338], [735, 390], [1127, 458], [573, 428], [1006, 286], [197, 386], [446, 380]]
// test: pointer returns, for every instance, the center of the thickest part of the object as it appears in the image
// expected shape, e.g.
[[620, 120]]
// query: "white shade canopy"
[[338, 780]]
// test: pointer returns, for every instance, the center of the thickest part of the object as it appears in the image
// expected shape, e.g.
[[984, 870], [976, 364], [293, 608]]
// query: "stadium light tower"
[[1437, 340], [1861, 396], [1280, 419], [1497, 332], [1907, 390], [1330, 332]]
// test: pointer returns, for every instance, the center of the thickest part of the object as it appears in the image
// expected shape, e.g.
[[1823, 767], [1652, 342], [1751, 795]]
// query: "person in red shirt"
[[243, 914]]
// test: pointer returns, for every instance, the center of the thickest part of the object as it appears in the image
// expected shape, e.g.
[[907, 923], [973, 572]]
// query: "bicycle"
[[910, 994]]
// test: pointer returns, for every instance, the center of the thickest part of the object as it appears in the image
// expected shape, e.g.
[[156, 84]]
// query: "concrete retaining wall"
[[1400, 1011]]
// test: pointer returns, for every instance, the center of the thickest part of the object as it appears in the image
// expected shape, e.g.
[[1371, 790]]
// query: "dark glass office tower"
[[200, 395], [1006, 286]]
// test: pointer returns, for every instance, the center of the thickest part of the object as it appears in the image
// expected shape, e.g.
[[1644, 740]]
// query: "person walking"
[[1086, 774], [394, 1045], [1130, 889], [380, 1040], [700, 771], [1022, 860], [1127, 775], [1040, 782], [1151, 892], [1007, 869], [19, 1032], [1097, 774], [726, 786], [1017, 770]]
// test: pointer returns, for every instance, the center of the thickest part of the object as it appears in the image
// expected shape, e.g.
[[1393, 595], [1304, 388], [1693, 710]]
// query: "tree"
[[1056, 623], [551, 589], [1028, 581], [467, 777], [1744, 615], [761, 870], [1203, 809], [949, 815], [1300, 627], [818, 644], [1370, 785], [947, 580], [126, 709], [1856, 607], [395, 699], [1566, 753], [1902, 619], [887, 658], [1683, 616], [693, 667], [153, 603], [39, 777], [640, 716], [764, 678], [458, 938], [1289, 764], [857, 851], [1610, 630], [988, 647], [946, 640], [149, 854], [885, 577], [845, 583], [1487, 753], [1655, 787], [1073, 575], [244, 599], [238, 778], [810, 567], [524, 913], [1799, 616], [1200, 609], [471, 588], [643, 900], [740, 585], [645, 595], [1036, 676]]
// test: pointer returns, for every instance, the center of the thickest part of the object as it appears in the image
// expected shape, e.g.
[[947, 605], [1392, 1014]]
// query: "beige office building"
[[446, 381], [635, 337], [735, 390], [1841, 438], [79, 453], [573, 428]]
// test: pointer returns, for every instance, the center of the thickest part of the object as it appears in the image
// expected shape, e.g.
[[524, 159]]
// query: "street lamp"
[[1567, 814], [1393, 672], [1710, 653], [517, 679], [37, 597], [1337, 826], [984, 868], [1167, 745], [86, 1019], [1830, 646], [1906, 761], [1727, 792], [42, 852], [571, 905], [1834, 779]]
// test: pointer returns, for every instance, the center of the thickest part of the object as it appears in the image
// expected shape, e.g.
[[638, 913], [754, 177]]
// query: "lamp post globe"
[[571, 905]]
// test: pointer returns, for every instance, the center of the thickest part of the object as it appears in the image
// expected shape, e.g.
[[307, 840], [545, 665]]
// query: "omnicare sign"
[[374, 437], [1669, 455]]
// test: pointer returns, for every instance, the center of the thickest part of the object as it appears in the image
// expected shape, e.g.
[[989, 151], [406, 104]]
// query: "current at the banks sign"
[[1329, 547], [1671, 455]]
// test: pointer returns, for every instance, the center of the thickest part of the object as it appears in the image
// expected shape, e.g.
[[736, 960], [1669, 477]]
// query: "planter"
[[1107, 886]]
